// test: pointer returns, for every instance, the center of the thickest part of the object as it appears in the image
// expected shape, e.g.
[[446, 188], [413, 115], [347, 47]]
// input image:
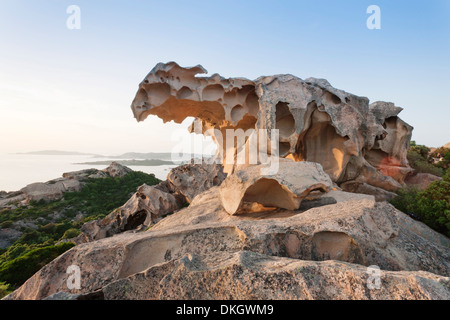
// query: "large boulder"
[[147, 206], [117, 170], [421, 180], [202, 252], [286, 188], [353, 140], [193, 178], [52, 190]]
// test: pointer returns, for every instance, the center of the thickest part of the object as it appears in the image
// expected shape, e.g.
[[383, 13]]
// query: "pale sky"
[[72, 89]]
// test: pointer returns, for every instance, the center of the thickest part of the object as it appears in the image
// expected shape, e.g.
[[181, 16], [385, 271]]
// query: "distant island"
[[58, 153], [128, 155], [142, 163], [143, 156]]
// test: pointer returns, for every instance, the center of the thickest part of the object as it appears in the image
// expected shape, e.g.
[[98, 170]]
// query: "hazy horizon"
[[68, 89]]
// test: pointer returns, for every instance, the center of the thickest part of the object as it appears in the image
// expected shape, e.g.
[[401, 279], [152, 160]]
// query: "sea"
[[19, 170]]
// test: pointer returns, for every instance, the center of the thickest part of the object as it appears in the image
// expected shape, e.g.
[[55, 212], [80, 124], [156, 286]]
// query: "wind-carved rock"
[[361, 146], [286, 189]]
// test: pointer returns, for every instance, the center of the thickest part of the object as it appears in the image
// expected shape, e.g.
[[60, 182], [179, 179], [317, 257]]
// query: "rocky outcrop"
[[421, 180], [286, 189], [117, 170], [55, 189], [50, 191], [191, 179], [356, 143], [202, 252], [152, 203], [291, 233], [8, 236], [147, 206]]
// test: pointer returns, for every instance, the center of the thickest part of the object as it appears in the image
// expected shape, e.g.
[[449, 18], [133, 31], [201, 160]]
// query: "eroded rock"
[[192, 179], [202, 252], [152, 203], [421, 180], [147, 206], [117, 170], [353, 140], [284, 189]]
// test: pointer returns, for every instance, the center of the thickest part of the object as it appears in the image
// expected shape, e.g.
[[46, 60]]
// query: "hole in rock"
[[284, 148], [213, 92], [151, 251], [285, 122], [324, 245], [330, 245], [315, 203], [270, 193], [321, 143], [252, 103], [237, 113], [331, 98], [184, 93], [390, 123], [158, 92], [135, 220], [141, 97], [291, 244]]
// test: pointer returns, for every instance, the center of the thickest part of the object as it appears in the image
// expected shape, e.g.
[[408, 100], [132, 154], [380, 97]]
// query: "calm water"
[[19, 170]]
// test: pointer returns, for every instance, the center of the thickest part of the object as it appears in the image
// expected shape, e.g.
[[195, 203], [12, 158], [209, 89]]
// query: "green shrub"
[[425, 167], [423, 151], [71, 233], [432, 205], [6, 224], [406, 201], [4, 289], [418, 160], [446, 176], [17, 271]]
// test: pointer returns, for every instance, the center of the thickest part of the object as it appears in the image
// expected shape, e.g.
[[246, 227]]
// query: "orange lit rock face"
[[356, 142]]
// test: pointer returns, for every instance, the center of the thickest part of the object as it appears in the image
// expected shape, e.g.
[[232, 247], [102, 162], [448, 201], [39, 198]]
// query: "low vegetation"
[[44, 225], [421, 160], [432, 205]]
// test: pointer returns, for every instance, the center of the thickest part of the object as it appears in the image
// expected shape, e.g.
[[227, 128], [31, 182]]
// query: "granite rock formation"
[[289, 234], [202, 252], [150, 204], [286, 189], [361, 146]]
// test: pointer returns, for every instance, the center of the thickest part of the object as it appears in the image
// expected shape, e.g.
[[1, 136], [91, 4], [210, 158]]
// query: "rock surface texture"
[[152, 203], [293, 182], [361, 146], [289, 234], [202, 252]]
